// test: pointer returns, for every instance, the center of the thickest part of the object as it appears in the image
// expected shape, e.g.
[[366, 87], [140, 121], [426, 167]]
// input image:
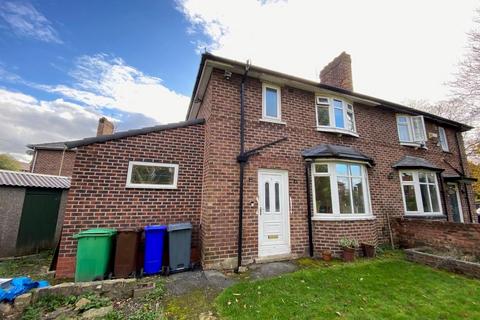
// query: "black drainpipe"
[[442, 191], [308, 163], [463, 171], [242, 160]]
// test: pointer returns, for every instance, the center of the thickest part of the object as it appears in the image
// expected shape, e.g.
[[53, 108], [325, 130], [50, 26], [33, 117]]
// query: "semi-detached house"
[[269, 166]]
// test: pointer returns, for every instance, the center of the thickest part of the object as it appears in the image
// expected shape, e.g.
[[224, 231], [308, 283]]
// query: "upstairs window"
[[151, 175], [334, 115], [411, 130], [271, 102], [442, 139], [420, 192]]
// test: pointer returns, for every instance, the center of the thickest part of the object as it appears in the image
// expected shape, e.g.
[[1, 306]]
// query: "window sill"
[[346, 218], [272, 121], [424, 215], [338, 131], [414, 145], [149, 186]]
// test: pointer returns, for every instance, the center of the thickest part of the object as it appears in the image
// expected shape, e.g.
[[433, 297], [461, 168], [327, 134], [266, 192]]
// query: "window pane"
[[422, 177], [341, 169], [410, 200], [435, 202], [344, 195], [144, 174], [355, 170], [418, 128], [323, 117], [407, 176], [350, 125], [403, 132], [425, 198], [277, 197], [321, 168], [271, 102], [358, 199], [431, 177], [323, 195], [338, 111], [267, 197]]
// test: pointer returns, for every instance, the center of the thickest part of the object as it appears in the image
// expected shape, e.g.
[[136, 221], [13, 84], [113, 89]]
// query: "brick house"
[[269, 166], [55, 158]]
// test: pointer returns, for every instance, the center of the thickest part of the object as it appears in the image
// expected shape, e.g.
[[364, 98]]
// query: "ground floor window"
[[340, 190], [420, 192], [152, 175]]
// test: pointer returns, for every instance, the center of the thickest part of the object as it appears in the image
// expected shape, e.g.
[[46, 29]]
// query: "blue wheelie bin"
[[154, 244]]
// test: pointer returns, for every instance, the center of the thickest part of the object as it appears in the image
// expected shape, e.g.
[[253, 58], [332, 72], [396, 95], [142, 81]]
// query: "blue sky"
[[63, 64]]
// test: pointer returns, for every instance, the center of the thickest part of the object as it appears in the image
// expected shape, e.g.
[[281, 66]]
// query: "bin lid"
[[123, 230], [155, 227], [100, 232], [179, 226]]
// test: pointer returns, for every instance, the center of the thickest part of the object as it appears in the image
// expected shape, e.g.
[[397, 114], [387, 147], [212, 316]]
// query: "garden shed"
[[31, 211]]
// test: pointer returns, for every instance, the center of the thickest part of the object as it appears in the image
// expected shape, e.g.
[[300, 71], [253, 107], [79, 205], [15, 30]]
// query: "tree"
[[475, 172], [7, 162]]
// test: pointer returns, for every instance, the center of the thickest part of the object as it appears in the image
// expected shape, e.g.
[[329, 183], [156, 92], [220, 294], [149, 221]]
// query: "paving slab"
[[272, 269]]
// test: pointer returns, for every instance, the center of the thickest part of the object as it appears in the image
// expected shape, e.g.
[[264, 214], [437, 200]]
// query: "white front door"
[[273, 213], [456, 205]]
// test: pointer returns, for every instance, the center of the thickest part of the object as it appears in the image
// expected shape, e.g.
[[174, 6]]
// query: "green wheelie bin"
[[94, 251]]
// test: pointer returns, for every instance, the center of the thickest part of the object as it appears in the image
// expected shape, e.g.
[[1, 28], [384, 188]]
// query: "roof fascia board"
[[308, 85]]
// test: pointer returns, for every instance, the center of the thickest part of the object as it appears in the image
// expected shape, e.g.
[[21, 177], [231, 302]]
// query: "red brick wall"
[[438, 234], [378, 139], [98, 197], [49, 162]]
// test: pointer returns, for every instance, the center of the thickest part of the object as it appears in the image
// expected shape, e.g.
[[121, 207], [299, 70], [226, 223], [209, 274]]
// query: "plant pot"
[[348, 254], [368, 250], [327, 256]]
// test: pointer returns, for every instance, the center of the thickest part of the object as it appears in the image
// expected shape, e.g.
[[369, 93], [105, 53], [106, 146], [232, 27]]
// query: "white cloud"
[[108, 82], [27, 120], [24, 20], [400, 50]]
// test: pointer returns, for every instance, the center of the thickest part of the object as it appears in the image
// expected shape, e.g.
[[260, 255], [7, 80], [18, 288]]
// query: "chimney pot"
[[338, 73], [105, 127]]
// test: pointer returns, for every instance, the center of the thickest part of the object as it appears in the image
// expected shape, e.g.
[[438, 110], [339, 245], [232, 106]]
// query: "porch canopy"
[[458, 178], [333, 151], [409, 162]]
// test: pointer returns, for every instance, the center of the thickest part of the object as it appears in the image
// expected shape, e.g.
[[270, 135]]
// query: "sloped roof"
[[27, 179], [48, 146], [239, 67], [337, 152], [410, 162], [130, 133]]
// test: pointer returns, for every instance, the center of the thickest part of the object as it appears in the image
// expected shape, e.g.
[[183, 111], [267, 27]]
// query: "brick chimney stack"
[[105, 127], [338, 73]]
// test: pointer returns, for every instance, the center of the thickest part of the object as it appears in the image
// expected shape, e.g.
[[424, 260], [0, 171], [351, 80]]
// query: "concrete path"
[[185, 282]]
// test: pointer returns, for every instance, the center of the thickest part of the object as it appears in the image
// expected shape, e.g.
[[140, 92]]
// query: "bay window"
[[420, 192], [335, 115], [340, 190]]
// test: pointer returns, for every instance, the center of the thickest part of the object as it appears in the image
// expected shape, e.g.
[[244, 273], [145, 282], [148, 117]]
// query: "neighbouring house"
[[31, 211], [55, 158], [268, 166]]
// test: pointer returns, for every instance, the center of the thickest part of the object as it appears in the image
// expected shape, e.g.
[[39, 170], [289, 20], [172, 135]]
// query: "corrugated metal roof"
[[27, 179]]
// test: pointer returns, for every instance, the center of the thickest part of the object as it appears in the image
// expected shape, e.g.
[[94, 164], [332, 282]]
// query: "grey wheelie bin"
[[179, 246]]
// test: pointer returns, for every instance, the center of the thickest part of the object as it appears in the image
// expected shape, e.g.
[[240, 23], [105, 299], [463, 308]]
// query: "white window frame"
[[415, 141], [331, 127], [151, 186], [265, 117], [336, 215], [418, 195], [442, 139]]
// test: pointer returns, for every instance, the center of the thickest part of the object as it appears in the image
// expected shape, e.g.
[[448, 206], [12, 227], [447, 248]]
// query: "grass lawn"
[[384, 288]]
